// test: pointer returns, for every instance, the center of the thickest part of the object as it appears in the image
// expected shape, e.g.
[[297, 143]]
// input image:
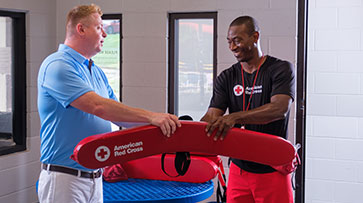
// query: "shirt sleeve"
[[220, 96], [283, 81], [63, 82]]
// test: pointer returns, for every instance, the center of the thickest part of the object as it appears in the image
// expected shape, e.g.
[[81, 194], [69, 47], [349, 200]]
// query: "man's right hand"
[[221, 125], [211, 117], [167, 122]]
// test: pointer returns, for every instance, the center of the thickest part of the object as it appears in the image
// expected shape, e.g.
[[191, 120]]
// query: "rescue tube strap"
[[181, 163]]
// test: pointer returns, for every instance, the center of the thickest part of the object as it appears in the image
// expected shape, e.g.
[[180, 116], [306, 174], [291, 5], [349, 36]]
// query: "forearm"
[[116, 111], [212, 114], [128, 124], [111, 110], [206, 118], [261, 115]]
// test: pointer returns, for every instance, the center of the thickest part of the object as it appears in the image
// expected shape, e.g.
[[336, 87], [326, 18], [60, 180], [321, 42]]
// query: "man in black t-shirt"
[[257, 92]]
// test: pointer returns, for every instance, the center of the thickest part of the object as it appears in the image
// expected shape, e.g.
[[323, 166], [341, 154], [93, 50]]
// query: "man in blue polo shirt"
[[75, 101]]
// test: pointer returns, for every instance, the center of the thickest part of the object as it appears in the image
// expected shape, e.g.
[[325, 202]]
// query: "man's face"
[[94, 33], [241, 43]]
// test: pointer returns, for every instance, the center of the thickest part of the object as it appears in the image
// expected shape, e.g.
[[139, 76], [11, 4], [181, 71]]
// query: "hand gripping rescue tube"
[[121, 146]]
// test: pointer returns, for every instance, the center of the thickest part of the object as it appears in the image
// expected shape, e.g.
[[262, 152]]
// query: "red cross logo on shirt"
[[102, 153], [238, 90]]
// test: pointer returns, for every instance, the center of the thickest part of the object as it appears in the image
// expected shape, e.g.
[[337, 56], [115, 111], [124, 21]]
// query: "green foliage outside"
[[109, 60]]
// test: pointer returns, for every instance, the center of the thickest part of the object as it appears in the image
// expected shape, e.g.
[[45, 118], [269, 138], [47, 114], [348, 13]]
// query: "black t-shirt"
[[274, 77]]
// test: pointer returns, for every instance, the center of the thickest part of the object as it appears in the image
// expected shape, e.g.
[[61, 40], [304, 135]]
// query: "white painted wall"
[[145, 38], [335, 97], [144, 58]]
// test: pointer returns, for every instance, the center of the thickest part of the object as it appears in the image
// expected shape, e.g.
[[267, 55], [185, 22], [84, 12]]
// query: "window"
[[192, 62], [12, 82], [109, 58], [301, 74]]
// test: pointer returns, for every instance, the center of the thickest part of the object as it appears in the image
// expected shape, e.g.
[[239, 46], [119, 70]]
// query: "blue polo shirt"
[[63, 77]]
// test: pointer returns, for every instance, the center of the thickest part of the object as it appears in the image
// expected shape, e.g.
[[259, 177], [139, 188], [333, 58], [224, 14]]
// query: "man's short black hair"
[[248, 21]]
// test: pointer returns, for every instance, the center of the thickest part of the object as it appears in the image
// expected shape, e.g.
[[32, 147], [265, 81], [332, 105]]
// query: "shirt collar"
[[74, 54]]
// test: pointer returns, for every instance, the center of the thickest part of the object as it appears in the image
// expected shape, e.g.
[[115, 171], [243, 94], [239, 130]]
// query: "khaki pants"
[[56, 187]]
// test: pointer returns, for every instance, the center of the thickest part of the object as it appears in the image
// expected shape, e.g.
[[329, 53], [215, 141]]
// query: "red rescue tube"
[[121, 146], [201, 169]]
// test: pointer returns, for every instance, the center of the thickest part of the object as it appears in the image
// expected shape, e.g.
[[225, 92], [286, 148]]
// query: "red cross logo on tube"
[[102, 153], [238, 90]]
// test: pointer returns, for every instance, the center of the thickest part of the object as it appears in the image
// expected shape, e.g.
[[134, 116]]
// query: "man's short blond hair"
[[78, 13]]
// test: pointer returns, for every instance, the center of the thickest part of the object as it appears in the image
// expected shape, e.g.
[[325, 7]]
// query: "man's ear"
[[80, 29], [256, 36]]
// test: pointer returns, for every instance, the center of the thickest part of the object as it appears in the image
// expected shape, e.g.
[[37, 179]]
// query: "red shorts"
[[249, 187]]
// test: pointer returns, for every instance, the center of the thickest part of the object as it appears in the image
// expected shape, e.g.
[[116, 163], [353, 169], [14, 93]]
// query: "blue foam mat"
[[140, 190]]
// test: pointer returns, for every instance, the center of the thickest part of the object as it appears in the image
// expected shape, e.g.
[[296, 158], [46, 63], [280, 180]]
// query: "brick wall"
[[335, 96]]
